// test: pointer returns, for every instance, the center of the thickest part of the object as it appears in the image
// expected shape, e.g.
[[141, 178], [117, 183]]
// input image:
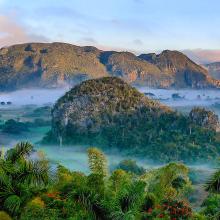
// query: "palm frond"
[[21, 150], [213, 184], [12, 203], [33, 172]]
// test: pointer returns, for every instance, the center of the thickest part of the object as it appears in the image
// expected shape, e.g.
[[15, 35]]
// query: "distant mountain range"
[[52, 65]]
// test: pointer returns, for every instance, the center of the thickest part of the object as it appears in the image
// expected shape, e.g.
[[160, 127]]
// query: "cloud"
[[11, 32], [138, 42]]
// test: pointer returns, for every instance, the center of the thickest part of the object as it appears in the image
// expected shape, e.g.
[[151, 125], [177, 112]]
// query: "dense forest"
[[31, 189]]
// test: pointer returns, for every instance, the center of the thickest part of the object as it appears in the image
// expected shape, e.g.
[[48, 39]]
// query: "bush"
[[131, 166]]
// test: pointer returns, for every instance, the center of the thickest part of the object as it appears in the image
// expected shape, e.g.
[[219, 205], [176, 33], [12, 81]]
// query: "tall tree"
[[97, 161]]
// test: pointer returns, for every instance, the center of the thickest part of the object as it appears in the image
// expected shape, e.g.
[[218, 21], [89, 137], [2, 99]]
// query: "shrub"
[[131, 166]]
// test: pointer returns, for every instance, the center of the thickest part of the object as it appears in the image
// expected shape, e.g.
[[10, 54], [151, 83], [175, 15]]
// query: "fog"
[[32, 96], [187, 97], [75, 157]]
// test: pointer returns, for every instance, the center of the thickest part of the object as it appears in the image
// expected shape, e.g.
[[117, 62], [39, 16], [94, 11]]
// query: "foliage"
[[213, 185], [20, 177], [131, 166], [14, 127], [97, 162], [170, 181], [212, 203], [26, 192], [211, 206]]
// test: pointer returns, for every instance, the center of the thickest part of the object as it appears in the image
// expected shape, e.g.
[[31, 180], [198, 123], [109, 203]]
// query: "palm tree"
[[213, 184], [20, 177]]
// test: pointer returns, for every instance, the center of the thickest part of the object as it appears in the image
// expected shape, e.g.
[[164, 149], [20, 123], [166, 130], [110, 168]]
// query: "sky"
[[133, 25]]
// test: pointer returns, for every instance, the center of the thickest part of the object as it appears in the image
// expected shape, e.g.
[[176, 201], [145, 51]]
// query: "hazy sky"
[[136, 25]]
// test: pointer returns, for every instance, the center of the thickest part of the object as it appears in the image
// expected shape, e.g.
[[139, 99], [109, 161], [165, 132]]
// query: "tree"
[[20, 177], [131, 166], [213, 184], [14, 127], [170, 181], [97, 162]]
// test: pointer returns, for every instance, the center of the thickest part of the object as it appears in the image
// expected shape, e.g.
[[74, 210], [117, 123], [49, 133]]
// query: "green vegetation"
[[14, 127], [109, 113], [29, 190], [20, 178], [131, 166], [40, 111]]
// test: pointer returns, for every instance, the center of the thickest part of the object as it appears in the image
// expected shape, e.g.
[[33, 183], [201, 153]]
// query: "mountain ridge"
[[49, 65]]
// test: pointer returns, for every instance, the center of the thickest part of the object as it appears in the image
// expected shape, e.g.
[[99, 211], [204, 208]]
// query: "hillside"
[[184, 71], [214, 69], [109, 113], [134, 70], [49, 65]]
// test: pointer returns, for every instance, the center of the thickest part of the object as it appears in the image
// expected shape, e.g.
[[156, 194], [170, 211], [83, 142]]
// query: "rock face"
[[214, 70], [205, 118], [184, 72], [57, 64]]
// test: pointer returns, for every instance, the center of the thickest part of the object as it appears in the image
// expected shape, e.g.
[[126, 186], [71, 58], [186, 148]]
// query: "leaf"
[[33, 172], [21, 150], [213, 184], [12, 203]]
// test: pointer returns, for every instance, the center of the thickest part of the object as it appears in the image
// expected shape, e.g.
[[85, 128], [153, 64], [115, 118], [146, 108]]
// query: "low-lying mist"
[[31, 96], [183, 97]]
